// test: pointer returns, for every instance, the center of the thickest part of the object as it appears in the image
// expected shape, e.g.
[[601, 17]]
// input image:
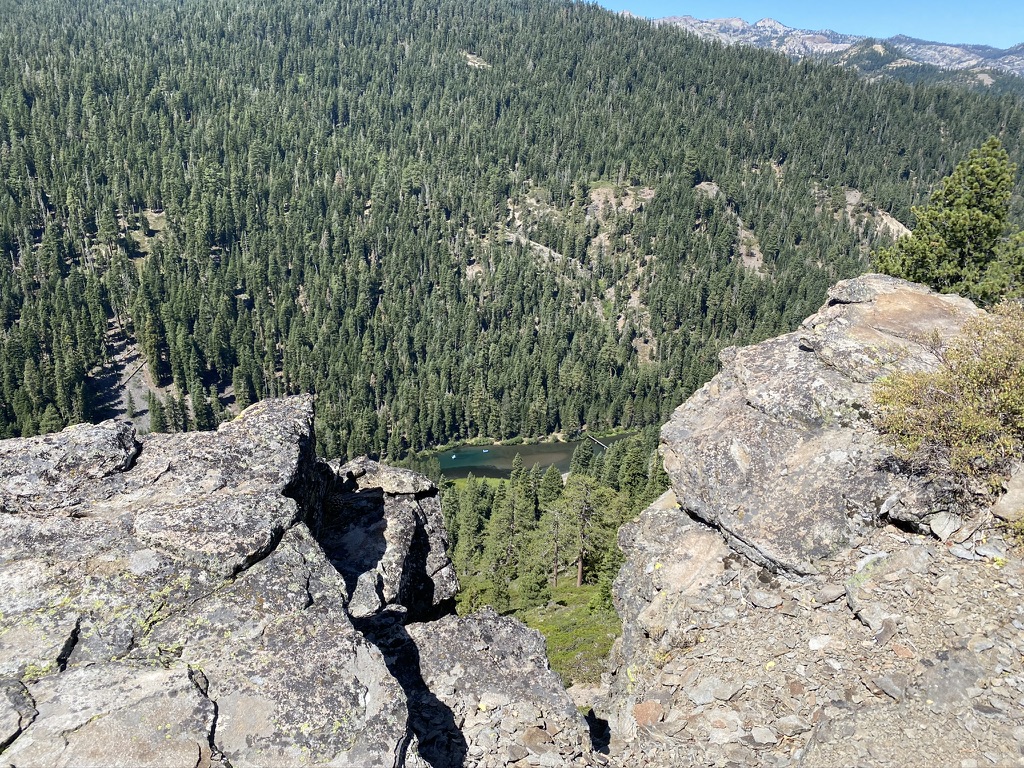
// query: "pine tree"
[[961, 243], [632, 472], [473, 502], [498, 555], [157, 415], [550, 487], [580, 510], [215, 404], [50, 421], [202, 412], [582, 459], [243, 388]]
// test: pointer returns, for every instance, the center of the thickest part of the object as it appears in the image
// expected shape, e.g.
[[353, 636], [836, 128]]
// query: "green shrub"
[[965, 421]]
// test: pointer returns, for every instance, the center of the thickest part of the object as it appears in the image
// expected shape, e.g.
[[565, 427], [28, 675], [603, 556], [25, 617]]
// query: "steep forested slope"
[[447, 219]]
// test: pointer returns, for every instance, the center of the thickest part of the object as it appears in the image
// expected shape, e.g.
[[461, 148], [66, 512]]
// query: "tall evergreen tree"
[[963, 242], [157, 414]]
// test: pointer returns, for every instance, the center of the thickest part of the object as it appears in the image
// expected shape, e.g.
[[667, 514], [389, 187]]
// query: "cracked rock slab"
[[187, 559], [384, 531], [188, 599], [117, 715], [38, 474]]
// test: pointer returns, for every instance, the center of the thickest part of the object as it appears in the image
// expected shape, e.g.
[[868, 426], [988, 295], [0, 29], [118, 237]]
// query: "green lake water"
[[496, 460]]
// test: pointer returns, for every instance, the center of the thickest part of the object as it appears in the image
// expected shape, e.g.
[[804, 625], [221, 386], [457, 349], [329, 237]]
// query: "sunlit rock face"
[[778, 450], [798, 598], [228, 598]]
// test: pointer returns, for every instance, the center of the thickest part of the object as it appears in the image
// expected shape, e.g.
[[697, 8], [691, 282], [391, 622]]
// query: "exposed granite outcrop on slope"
[[778, 451], [227, 598], [797, 626]]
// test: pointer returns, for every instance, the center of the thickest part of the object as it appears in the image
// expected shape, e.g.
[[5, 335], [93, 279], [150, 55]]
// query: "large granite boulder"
[[229, 599], [778, 450], [772, 612]]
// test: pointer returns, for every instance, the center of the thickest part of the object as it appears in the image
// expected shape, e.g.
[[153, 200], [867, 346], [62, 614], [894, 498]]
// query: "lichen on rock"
[[799, 599], [778, 450], [195, 599]]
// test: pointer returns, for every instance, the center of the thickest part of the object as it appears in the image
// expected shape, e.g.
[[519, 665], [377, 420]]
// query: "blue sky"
[[999, 23]]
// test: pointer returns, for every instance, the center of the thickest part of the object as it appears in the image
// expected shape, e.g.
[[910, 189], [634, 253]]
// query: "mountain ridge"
[[772, 34], [543, 213]]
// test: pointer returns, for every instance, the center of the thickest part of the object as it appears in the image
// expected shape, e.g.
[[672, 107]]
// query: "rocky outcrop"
[[778, 450], [385, 534], [229, 599], [796, 600], [524, 718]]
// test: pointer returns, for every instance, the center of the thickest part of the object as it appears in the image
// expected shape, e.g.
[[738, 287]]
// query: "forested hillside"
[[448, 219]]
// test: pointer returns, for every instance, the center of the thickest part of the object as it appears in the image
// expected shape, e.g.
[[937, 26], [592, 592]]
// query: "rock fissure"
[[10, 738], [199, 680], [749, 549], [66, 735], [276, 534], [69, 646], [169, 611], [18, 711], [231, 550], [431, 724]]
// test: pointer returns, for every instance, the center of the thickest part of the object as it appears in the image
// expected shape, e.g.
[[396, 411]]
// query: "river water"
[[496, 460]]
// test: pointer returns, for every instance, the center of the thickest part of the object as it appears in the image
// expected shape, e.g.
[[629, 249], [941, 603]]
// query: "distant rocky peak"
[[773, 25], [771, 34]]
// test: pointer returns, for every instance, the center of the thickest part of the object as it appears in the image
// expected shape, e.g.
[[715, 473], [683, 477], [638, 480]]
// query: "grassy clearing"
[[579, 634], [460, 482]]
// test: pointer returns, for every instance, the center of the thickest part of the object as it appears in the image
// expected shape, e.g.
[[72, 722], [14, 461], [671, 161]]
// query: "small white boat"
[[487, 450], [453, 455]]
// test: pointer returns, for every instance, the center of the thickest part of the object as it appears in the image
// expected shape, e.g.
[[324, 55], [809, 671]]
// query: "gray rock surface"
[[527, 717], [778, 450], [1010, 506], [386, 536], [771, 615], [229, 599], [921, 665]]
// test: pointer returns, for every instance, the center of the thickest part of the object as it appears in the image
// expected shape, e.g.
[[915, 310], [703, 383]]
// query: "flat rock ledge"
[[227, 598], [794, 600]]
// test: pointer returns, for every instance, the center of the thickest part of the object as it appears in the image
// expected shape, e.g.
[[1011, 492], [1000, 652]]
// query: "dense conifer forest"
[[451, 219]]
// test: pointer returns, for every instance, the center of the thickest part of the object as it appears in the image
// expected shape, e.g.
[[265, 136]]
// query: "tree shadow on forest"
[[102, 390], [104, 395], [352, 535]]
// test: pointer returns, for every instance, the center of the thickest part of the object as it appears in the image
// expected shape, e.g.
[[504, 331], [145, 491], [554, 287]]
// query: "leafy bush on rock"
[[964, 421]]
